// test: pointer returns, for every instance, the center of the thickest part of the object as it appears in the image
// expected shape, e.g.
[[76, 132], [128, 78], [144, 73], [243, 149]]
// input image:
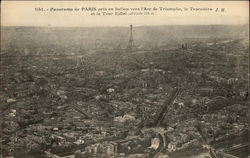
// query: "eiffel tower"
[[131, 40]]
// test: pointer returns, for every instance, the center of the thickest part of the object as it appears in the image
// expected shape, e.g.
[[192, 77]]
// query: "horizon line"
[[128, 25]]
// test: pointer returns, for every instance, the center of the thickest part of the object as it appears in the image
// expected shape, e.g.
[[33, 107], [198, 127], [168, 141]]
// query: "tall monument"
[[131, 40]]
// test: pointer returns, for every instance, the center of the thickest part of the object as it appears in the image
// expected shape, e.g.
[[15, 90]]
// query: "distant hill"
[[77, 39]]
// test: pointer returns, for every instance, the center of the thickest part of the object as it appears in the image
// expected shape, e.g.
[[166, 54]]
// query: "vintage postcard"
[[124, 79]]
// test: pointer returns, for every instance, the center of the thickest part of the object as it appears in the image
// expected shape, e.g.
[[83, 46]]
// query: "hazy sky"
[[15, 13]]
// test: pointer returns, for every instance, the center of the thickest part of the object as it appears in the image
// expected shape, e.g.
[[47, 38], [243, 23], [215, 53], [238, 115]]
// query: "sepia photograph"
[[124, 79]]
